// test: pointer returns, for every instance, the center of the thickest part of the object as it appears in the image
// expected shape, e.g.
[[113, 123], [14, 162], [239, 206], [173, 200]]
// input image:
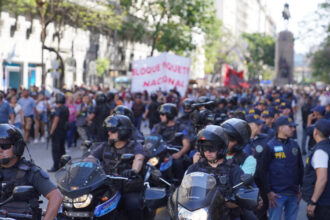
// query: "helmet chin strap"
[[213, 161], [5, 161]]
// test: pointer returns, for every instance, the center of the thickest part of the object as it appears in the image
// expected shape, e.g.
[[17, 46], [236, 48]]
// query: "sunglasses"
[[112, 129], [5, 146], [209, 148], [161, 113]]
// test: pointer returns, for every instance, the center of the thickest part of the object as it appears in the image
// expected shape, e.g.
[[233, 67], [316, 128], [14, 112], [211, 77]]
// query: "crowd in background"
[[31, 109]]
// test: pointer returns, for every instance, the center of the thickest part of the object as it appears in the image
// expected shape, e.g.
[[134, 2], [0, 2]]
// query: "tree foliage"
[[261, 51], [321, 57], [169, 24], [102, 66]]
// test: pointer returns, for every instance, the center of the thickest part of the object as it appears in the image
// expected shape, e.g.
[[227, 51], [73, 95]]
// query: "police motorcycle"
[[199, 197], [159, 157], [22, 194], [88, 192]]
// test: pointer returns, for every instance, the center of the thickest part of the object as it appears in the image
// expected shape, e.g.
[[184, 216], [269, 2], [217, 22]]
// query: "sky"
[[300, 10]]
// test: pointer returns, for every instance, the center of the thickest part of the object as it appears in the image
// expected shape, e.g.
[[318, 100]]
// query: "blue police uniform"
[[281, 172], [256, 145], [271, 132], [310, 176]]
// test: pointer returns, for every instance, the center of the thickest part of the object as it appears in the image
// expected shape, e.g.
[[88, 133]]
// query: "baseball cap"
[[254, 118], [254, 111], [267, 113], [323, 125], [320, 109], [284, 120], [284, 105], [262, 102]]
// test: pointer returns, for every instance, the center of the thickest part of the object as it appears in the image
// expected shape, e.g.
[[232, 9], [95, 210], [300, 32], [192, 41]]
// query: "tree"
[[261, 51], [168, 25], [102, 66], [321, 57]]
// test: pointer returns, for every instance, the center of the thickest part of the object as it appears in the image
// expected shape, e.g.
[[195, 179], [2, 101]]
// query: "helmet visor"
[[209, 147], [5, 146]]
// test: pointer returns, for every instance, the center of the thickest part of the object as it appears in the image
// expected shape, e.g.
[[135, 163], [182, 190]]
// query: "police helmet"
[[120, 123], [100, 98], [203, 99], [214, 138], [110, 96], [10, 135], [59, 98], [154, 96], [169, 110], [187, 103], [239, 130], [123, 110], [222, 100]]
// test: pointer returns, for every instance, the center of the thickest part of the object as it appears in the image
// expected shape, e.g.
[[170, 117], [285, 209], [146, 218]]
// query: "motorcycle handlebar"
[[117, 177], [10, 216]]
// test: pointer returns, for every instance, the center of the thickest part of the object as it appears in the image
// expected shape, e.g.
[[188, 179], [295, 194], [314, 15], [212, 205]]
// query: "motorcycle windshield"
[[196, 190], [153, 145], [80, 176]]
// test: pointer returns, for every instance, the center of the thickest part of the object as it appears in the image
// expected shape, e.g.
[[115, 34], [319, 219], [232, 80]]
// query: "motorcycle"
[[88, 192], [22, 194], [199, 197], [159, 158]]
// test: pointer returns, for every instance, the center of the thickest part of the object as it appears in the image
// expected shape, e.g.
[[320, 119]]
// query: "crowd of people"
[[255, 128]]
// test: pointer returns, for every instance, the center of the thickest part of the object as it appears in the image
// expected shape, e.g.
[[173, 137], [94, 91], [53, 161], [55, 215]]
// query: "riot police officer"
[[168, 129], [212, 142], [239, 133], [123, 110], [120, 142], [99, 113], [187, 108], [58, 131], [16, 171]]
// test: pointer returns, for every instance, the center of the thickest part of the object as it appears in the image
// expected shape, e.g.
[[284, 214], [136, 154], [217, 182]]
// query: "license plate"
[[78, 214]]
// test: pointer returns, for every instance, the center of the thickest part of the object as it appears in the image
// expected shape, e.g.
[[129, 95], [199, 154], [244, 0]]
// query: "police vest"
[[257, 145], [168, 133], [111, 158], [23, 177], [310, 176], [283, 168], [222, 171]]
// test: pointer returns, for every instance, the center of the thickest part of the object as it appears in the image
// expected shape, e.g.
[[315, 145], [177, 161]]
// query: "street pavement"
[[41, 154]]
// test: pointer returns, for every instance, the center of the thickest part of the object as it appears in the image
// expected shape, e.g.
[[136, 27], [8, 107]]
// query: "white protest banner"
[[164, 72]]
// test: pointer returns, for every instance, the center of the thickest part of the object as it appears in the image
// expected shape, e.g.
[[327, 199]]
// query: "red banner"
[[233, 78]]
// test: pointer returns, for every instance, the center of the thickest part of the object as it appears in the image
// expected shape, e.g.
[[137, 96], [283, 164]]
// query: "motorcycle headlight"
[[67, 202], [153, 161], [82, 201], [184, 214]]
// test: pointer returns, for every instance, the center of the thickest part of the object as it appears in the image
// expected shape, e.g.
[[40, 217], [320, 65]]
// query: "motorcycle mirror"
[[246, 179], [127, 156], [64, 160], [22, 193], [247, 198]]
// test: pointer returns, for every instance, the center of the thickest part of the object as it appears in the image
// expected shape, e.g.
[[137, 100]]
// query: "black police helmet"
[[169, 110], [110, 96], [213, 136], [203, 99], [239, 130], [123, 110], [154, 96], [100, 98], [187, 103], [10, 135], [222, 101], [59, 98], [120, 123]]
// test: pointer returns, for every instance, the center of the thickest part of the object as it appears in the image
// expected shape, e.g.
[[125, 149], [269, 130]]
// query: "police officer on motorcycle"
[[168, 129], [120, 142], [212, 142], [16, 171], [123, 110], [239, 133]]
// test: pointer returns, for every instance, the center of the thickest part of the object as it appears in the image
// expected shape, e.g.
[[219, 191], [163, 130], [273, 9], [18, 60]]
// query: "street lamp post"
[[40, 4]]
